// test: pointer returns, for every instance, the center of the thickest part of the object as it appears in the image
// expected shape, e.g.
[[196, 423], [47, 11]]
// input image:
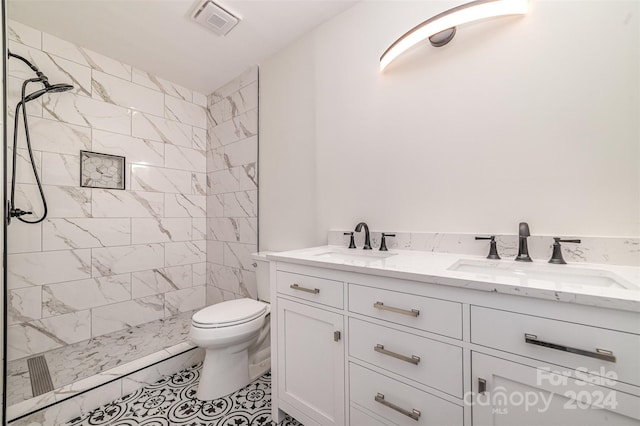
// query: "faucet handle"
[[383, 242], [352, 242], [493, 248], [556, 257]]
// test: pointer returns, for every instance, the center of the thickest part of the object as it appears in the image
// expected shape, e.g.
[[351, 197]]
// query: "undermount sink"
[[354, 255], [532, 272]]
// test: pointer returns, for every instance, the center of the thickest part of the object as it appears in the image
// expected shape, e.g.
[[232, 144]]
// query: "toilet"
[[235, 337]]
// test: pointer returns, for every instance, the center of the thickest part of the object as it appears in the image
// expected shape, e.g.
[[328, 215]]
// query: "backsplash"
[[232, 189], [104, 260], [613, 251]]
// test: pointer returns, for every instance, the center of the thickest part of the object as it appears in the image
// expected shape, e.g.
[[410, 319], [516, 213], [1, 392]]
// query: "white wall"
[[530, 118]]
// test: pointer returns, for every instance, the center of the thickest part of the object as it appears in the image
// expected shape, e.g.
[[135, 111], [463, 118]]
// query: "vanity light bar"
[[469, 12]]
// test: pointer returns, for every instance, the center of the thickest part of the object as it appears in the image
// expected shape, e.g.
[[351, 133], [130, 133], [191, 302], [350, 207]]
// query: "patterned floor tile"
[[172, 401]]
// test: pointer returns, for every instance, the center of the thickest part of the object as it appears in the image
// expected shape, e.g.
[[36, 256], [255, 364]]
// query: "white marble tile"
[[24, 237], [177, 157], [113, 203], [40, 418], [241, 204], [72, 296], [199, 273], [147, 178], [242, 152], [121, 92], [58, 70], [24, 34], [199, 183], [217, 295], [234, 104], [182, 205], [61, 234], [248, 76], [47, 333], [34, 269], [199, 228], [184, 253], [199, 139], [120, 316], [67, 201], [160, 230], [55, 136], [60, 169], [185, 112], [24, 169], [135, 150], [152, 374], [215, 252], [238, 255], [240, 230], [24, 305], [87, 112], [86, 57], [200, 99], [14, 96], [216, 160], [161, 280], [119, 260], [161, 85], [215, 205], [241, 127], [184, 300], [223, 181], [231, 279], [161, 130], [248, 177]]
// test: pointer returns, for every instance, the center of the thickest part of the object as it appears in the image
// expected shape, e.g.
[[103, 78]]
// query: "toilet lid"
[[230, 312]]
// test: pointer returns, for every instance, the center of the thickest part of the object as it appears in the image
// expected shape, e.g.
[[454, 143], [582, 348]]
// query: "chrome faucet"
[[367, 238], [523, 250]]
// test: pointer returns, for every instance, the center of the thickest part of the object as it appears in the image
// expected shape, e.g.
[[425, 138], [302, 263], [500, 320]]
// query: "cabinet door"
[[311, 361], [508, 393]]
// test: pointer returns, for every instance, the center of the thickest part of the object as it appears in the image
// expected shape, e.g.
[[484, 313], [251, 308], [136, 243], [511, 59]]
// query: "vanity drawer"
[[400, 403], [320, 290], [432, 363], [559, 342], [424, 313]]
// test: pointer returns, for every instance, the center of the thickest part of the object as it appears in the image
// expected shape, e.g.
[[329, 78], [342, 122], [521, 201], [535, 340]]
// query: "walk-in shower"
[[12, 210]]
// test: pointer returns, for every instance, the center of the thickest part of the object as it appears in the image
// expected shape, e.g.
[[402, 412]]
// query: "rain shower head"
[[49, 88]]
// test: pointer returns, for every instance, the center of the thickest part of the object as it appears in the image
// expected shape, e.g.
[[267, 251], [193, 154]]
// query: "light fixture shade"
[[469, 12]]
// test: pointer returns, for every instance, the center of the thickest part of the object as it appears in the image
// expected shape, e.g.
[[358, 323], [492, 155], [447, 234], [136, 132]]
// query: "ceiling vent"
[[215, 18]]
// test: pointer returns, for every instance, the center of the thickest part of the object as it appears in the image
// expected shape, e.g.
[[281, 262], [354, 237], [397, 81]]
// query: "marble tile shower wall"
[[232, 189], [104, 260]]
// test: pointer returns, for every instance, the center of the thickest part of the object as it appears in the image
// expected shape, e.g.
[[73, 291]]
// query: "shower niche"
[[99, 170]]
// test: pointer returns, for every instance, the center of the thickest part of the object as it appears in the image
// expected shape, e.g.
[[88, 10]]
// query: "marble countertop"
[[619, 286]]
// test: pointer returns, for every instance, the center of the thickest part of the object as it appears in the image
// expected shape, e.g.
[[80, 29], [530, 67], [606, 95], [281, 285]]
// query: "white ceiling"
[[159, 36]]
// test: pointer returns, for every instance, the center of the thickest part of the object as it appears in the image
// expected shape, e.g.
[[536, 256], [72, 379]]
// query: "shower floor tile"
[[88, 358], [172, 401]]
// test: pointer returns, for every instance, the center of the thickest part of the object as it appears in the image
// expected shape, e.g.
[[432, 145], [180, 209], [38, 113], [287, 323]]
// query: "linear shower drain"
[[39, 375]]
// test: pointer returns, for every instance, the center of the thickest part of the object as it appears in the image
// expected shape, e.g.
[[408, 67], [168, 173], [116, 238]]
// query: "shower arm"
[[41, 76]]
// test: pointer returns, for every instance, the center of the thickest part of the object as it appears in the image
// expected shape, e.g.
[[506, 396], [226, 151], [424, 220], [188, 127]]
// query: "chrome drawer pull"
[[413, 359], [414, 414], [308, 290], [599, 353], [411, 313]]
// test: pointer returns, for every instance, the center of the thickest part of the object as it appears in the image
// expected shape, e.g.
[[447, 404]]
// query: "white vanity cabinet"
[[358, 348]]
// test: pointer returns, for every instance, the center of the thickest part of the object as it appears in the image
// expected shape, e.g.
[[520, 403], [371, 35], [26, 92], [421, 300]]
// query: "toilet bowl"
[[234, 335]]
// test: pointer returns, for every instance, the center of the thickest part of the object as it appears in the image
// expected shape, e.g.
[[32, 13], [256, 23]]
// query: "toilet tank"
[[262, 275]]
